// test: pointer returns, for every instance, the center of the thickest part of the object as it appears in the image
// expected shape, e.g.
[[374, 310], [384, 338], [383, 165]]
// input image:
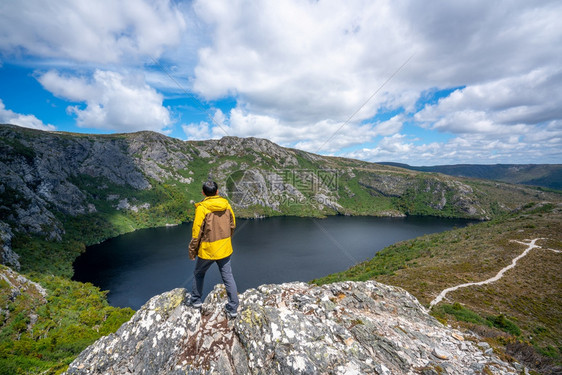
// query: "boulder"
[[291, 328]]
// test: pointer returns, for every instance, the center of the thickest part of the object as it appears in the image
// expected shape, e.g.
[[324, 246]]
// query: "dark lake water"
[[138, 265]]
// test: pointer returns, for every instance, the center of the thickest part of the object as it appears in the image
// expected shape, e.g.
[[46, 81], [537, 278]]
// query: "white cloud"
[[468, 148], [242, 124], [296, 61], [113, 101], [322, 136], [205, 130], [300, 69], [198, 132], [524, 99], [101, 31], [510, 118], [28, 121], [389, 127], [319, 60]]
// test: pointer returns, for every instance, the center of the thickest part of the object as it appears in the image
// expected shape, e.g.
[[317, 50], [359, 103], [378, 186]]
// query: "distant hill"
[[545, 175]]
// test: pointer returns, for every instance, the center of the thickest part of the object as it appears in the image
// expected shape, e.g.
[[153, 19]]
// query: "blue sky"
[[412, 82]]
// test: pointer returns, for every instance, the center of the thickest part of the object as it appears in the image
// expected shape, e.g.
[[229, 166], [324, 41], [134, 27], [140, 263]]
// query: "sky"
[[415, 82]]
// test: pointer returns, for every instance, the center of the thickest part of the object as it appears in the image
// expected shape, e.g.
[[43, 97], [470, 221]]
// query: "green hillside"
[[60, 192], [519, 314]]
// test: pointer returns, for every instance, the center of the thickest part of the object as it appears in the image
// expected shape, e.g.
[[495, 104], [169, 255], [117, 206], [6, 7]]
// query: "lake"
[[136, 266]]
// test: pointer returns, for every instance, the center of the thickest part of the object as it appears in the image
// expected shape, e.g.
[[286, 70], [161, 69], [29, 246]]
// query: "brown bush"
[[527, 355]]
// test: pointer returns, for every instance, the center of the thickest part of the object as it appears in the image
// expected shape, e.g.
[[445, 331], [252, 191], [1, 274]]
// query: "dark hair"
[[210, 188]]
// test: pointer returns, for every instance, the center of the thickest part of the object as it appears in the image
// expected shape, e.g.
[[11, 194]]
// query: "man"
[[211, 243]]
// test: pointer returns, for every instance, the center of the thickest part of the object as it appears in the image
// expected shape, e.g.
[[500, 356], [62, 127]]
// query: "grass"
[[44, 335], [460, 313], [463, 314]]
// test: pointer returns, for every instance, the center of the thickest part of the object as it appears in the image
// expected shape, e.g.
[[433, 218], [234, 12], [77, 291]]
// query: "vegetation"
[[463, 314], [169, 204], [545, 175], [525, 304], [18, 149], [43, 335], [47, 257]]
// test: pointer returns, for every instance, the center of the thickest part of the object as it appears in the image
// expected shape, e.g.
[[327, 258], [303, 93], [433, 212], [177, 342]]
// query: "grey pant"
[[227, 278]]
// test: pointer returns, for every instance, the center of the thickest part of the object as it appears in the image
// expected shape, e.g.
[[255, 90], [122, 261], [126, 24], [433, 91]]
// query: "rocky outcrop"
[[391, 185], [262, 150], [157, 156], [14, 290], [294, 328], [19, 284], [41, 170], [7, 255], [438, 192]]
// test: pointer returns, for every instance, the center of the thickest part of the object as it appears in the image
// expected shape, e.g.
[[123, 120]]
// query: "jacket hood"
[[214, 203]]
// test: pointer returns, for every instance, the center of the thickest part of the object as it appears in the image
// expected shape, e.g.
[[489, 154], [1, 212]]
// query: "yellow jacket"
[[212, 230]]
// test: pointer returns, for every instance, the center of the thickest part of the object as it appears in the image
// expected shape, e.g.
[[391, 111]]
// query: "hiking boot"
[[230, 314], [195, 305]]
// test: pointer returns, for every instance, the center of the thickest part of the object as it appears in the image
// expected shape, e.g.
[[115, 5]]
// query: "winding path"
[[531, 245]]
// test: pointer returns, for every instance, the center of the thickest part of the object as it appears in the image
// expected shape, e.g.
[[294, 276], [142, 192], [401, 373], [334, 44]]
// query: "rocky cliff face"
[[38, 176], [294, 328], [7, 255]]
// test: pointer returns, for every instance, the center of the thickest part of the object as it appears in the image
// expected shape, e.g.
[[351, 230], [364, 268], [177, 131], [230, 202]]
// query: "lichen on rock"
[[292, 328]]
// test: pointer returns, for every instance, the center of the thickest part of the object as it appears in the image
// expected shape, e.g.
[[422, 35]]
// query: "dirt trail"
[[531, 245]]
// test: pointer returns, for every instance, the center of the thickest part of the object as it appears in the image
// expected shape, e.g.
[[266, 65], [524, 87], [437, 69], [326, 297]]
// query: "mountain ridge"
[[545, 175], [54, 182]]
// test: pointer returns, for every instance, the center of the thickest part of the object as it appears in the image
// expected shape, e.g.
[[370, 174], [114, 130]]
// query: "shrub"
[[504, 324], [463, 314], [74, 316]]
